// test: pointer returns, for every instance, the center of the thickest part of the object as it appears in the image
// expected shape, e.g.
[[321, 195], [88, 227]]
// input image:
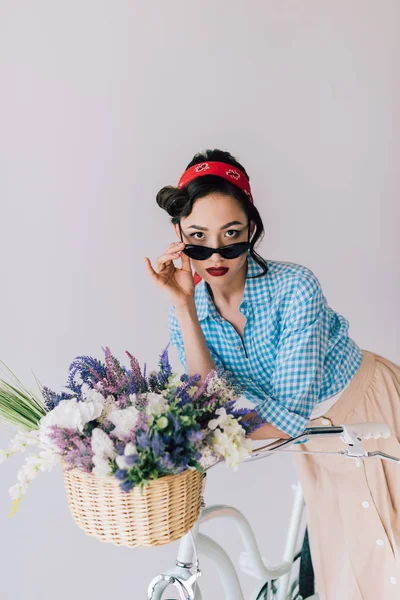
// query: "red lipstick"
[[217, 272]]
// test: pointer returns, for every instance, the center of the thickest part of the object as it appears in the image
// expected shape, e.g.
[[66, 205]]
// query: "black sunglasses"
[[198, 252]]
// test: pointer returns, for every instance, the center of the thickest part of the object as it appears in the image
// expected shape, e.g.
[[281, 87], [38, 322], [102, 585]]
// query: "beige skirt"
[[353, 507]]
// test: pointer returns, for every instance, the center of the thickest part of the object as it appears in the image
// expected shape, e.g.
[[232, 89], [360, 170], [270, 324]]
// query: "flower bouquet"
[[134, 448]]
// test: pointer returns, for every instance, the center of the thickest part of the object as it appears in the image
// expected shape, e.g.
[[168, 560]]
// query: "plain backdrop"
[[102, 104]]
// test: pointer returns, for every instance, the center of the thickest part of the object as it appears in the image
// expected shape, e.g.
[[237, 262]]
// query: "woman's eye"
[[233, 231]]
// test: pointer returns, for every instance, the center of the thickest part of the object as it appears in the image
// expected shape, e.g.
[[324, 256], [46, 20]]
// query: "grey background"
[[101, 104]]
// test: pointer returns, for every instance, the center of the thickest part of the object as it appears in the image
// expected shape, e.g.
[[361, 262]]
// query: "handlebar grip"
[[365, 431]]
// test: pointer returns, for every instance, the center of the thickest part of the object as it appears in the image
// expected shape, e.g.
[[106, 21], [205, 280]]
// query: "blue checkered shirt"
[[295, 352]]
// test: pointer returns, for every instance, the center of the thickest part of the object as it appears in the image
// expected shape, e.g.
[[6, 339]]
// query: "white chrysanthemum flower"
[[130, 449], [156, 404], [69, 414], [124, 420], [101, 467], [103, 450], [120, 460], [102, 444]]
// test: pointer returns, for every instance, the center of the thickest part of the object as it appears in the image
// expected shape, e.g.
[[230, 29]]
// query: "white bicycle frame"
[[251, 562]]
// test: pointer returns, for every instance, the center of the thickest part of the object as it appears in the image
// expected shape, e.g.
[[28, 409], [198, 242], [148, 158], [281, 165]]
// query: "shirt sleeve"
[[175, 339], [299, 366]]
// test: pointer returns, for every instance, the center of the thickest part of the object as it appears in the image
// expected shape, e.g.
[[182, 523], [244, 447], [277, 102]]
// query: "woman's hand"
[[177, 283]]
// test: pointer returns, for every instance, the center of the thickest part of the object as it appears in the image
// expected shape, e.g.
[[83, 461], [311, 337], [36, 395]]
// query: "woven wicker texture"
[[165, 511]]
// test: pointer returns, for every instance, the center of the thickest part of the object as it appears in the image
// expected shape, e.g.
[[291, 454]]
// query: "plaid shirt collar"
[[256, 291]]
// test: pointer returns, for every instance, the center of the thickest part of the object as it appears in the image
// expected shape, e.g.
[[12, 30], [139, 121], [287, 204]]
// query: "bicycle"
[[275, 582]]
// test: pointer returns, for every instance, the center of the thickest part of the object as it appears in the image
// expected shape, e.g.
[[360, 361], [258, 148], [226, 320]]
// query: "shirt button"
[[380, 542], [358, 462], [393, 580], [237, 347], [325, 422], [365, 504]]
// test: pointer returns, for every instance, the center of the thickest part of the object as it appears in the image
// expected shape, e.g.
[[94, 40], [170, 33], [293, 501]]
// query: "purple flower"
[[166, 462], [52, 399], [120, 447], [138, 381], [165, 367], [131, 459], [121, 474], [142, 440], [157, 444], [195, 436], [75, 448], [126, 486]]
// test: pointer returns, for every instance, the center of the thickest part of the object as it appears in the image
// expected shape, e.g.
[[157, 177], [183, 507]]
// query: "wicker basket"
[[163, 513]]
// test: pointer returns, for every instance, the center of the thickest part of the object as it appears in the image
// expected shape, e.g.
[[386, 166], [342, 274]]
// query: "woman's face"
[[216, 220]]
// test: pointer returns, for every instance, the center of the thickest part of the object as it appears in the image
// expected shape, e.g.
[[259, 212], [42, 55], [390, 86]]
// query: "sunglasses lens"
[[197, 252], [234, 250], [202, 252]]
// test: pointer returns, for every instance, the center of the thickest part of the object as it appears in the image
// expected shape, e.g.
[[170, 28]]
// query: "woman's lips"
[[217, 272]]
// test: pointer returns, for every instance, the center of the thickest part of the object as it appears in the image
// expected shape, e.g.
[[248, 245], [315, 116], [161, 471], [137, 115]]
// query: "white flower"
[[229, 439], [102, 444], [69, 414], [222, 420], [44, 461], [23, 439], [103, 451], [17, 491], [120, 460], [101, 467], [130, 449], [234, 449], [156, 404], [124, 420], [208, 457]]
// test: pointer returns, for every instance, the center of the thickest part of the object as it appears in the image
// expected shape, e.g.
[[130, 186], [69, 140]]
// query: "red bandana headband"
[[225, 170], [232, 174]]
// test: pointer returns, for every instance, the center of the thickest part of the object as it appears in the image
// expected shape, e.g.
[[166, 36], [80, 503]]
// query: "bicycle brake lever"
[[350, 438]]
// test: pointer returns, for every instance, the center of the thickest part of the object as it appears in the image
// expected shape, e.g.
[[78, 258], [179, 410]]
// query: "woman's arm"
[[198, 356], [266, 431]]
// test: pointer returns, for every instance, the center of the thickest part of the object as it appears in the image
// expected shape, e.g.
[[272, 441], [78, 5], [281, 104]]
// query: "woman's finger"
[[153, 274], [185, 262], [165, 258]]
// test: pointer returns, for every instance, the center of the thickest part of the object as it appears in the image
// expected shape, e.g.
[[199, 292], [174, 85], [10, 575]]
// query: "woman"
[[269, 323]]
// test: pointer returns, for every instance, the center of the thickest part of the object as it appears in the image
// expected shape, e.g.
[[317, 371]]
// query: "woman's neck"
[[231, 296]]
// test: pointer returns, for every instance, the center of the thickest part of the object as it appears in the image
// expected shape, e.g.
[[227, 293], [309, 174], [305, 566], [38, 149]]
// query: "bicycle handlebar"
[[351, 435]]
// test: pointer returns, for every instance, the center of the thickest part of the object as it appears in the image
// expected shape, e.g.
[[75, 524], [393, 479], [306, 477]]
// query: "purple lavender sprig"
[[138, 384], [52, 399], [165, 369], [75, 449], [90, 370]]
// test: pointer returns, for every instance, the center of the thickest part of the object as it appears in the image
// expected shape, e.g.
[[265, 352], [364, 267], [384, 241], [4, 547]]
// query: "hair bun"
[[172, 200]]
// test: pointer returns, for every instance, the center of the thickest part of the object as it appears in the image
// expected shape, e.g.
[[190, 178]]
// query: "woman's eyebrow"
[[223, 227]]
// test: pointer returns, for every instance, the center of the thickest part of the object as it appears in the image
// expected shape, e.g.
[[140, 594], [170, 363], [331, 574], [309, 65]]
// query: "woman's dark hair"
[[179, 202]]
